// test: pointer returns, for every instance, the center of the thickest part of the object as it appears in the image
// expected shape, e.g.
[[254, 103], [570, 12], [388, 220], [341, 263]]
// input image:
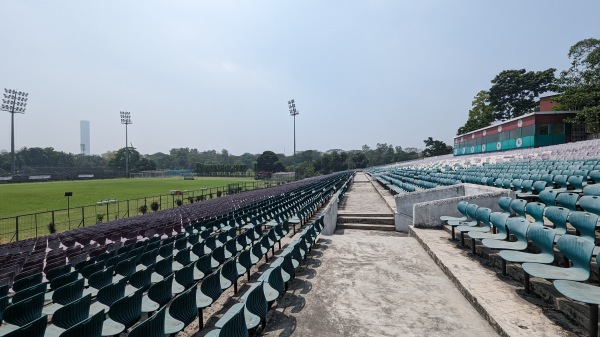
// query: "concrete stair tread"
[[367, 226], [365, 215]]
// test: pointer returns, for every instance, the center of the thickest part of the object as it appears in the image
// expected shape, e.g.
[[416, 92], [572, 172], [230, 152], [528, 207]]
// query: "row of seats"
[[135, 265], [576, 248]]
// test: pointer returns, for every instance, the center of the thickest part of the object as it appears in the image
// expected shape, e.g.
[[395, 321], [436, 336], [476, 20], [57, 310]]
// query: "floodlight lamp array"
[[125, 117], [292, 108], [14, 101]]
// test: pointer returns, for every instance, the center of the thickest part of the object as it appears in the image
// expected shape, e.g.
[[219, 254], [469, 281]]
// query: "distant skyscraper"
[[85, 137]]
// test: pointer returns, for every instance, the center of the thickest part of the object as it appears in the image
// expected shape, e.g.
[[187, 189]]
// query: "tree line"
[[516, 92], [305, 163]]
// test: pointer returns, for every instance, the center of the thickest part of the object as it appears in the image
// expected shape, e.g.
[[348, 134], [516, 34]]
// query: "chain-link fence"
[[36, 224]]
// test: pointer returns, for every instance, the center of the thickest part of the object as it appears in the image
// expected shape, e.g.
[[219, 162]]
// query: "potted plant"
[[143, 209]]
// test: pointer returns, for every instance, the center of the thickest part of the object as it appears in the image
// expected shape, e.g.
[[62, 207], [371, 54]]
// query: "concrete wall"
[[331, 214], [423, 209]]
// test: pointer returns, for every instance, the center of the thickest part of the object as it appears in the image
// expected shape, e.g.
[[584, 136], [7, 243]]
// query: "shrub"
[[99, 218], [143, 209], [154, 206], [191, 200], [179, 202], [219, 194]]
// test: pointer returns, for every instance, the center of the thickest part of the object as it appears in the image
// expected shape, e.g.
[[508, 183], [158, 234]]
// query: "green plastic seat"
[[536, 211], [58, 271], [471, 211], [141, 279], [296, 256], [229, 275], [582, 292], [203, 267], [543, 238], [518, 207], [159, 294], [256, 253], [233, 323], [548, 197], [4, 290], [558, 216], [108, 295], [218, 256], [125, 268], [65, 295], [69, 315], [182, 259], [149, 257], [568, 200], [577, 183], [182, 311], [244, 263], [123, 314], [198, 249], [166, 250], [590, 203], [22, 313], [498, 220], [154, 326], [91, 327], [4, 302], [576, 249], [255, 306], [516, 226], [585, 223], [37, 328], [98, 280], [27, 282], [592, 189], [462, 209], [504, 204], [274, 286], [185, 276], [482, 217], [27, 293], [209, 291], [231, 248]]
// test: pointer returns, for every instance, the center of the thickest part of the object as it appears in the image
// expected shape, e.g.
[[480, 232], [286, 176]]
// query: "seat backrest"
[[504, 203], [542, 237], [518, 206], [183, 307], [576, 249], [112, 292], [499, 219], [27, 293], [24, 312], [585, 223], [592, 189], [91, 327], [560, 181], [236, 325], [548, 197], [518, 227], [590, 203], [211, 285], [37, 328], [160, 292], [568, 200], [595, 175], [101, 278], [538, 186], [577, 182], [154, 326], [255, 301], [229, 270], [275, 280], [472, 211], [558, 216], [69, 292], [72, 313], [3, 306], [27, 282], [536, 211], [527, 185], [483, 215], [127, 310]]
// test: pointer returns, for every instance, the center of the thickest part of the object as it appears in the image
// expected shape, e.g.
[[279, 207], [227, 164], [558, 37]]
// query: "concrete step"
[[366, 226], [372, 220], [365, 215]]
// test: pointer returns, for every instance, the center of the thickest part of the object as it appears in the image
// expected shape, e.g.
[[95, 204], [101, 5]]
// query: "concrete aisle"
[[372, 283]]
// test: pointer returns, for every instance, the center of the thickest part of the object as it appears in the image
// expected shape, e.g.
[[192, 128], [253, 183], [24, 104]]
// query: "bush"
[[143, 209], [99, 218], [219, 194], [191, 200], [179, 202], [51, 228], [154, 206]]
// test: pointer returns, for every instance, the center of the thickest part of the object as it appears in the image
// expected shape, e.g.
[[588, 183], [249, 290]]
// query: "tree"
[[266, 161], [515, 92], [118, 160], [358, 160], [435, 148], [580, 84], [481, 114]]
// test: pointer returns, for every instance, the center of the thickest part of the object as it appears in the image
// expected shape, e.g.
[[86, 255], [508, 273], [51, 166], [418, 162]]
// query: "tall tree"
[[266, 162], [515, 92], [435, 148], [481, 114], [580, 84]]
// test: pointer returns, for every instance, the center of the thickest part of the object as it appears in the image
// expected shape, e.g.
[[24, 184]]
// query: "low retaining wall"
[[423, 209]]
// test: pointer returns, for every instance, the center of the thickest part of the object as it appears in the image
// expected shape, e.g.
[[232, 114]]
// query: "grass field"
[[16, 199]]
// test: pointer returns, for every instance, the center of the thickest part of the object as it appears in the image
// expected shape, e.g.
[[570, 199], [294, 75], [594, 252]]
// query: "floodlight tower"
[[294, 113], [126, 119], [14, 102]]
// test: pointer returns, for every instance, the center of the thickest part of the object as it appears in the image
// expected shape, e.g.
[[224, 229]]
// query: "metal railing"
[[32, 225]]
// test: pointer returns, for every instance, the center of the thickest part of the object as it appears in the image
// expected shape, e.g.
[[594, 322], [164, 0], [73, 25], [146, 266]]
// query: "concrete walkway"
[[363, 198]]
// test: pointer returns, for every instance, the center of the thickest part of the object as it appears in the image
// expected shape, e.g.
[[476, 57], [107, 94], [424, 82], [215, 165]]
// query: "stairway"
[[380, 222]]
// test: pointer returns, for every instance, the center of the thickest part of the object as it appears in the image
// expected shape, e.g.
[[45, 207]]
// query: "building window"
[[527, 131], [558, 129], [543, 129]]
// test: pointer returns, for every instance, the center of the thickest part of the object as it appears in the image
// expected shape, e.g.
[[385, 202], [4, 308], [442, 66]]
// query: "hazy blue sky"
[[218, 74]]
